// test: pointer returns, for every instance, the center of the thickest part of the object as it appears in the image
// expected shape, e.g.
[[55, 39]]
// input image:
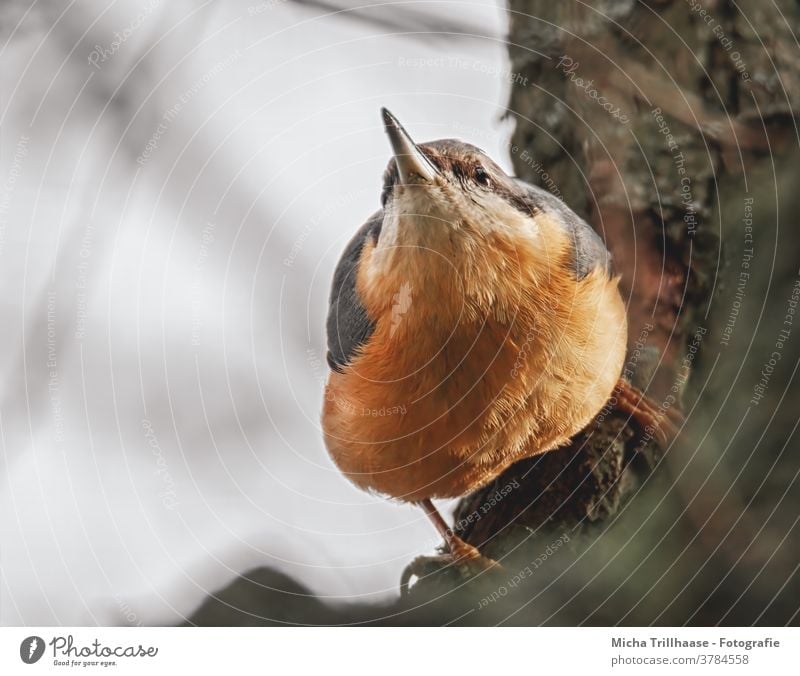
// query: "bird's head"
[[454, 219]]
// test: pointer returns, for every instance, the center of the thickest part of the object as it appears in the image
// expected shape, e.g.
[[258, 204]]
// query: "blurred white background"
[[177, 181]]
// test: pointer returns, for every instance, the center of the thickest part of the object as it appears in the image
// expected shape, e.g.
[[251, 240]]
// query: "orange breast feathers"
[[464, 375]]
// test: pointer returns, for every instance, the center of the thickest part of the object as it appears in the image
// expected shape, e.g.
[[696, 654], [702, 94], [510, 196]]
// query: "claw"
[[462, 556], [468, 565]]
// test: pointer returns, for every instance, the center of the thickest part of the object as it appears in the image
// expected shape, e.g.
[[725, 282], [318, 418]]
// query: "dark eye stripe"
[[463, 161]]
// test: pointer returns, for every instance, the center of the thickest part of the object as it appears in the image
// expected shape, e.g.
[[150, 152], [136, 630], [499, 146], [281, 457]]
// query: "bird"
[[474, 320]]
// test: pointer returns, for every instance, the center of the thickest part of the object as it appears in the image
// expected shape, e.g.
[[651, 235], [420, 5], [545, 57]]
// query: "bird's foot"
[[663, 422], [465, 559]]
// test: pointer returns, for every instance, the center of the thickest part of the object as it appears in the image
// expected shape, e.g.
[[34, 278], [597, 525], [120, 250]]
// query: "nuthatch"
[[474, 321]]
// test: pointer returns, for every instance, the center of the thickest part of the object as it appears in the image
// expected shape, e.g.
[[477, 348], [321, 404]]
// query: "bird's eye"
[[480, 175]]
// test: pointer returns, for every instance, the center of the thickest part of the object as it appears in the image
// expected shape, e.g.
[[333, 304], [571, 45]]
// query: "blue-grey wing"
[[348, 324]]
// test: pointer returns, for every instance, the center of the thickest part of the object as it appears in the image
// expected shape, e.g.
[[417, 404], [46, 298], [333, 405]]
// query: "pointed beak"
[[412, 164]]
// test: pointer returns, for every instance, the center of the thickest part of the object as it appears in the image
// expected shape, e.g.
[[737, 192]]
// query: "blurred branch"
[[417, 23]]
